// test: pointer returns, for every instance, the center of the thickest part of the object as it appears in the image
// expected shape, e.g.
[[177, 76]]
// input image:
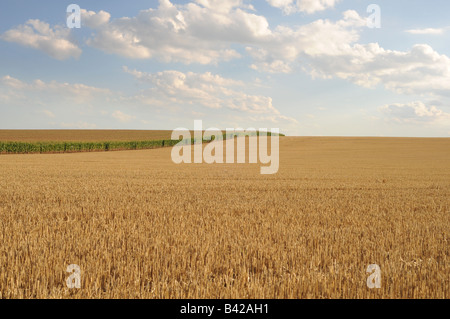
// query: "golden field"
[[140, 226]]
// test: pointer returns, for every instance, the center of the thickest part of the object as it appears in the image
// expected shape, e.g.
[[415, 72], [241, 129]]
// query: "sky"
[[307, 67]]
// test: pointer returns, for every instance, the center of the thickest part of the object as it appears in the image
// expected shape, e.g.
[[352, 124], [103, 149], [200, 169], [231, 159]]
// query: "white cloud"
[[162, 97], [416, 112], [205, 32], [418, 71], [200, 32], [308, 6], [172, 91], [36, 34], [203, 89], [329, 49], [94, 20], [208, 31], [321, 38], [122, 117], [426, 31]]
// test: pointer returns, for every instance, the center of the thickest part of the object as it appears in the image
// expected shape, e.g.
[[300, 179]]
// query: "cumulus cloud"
[[308, 6], [203, 89], [416, 112], [327, 49], [209, 31], [164, 93], [205, 32], [55, 42], [94, 20], [420, 70], [198, 32], [320, 38]]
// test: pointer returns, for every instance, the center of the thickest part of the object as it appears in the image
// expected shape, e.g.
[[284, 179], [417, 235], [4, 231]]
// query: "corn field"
[[68, 147]]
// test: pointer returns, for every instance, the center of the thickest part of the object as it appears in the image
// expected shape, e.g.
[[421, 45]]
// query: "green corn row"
[[68, 147]]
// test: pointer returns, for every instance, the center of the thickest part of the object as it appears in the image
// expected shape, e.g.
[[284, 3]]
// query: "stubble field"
[[140, 226]]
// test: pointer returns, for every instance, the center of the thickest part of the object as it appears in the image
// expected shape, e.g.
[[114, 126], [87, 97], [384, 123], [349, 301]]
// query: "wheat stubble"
[[140, 226]]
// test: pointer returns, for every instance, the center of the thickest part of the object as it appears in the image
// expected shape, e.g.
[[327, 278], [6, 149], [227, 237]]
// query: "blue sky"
[[307, 67]]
